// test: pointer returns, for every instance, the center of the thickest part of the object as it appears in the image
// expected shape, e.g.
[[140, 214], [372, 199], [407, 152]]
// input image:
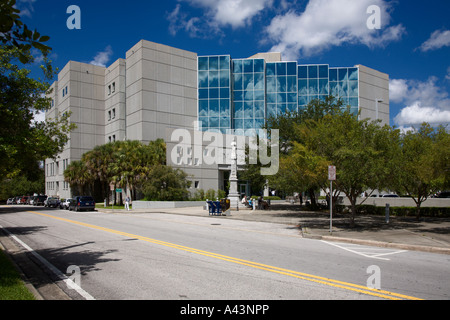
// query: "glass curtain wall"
[[248, 95], [214, 93], [313, 83], [281, 87], [344, 85]]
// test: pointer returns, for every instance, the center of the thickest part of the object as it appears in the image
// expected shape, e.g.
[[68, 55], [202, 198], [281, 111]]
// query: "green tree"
[[165, 183], [422, 163], [15, 34], [21, 138], [360, 150]]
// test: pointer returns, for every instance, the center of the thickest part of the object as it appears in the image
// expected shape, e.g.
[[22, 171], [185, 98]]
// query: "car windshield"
[[86, 199]]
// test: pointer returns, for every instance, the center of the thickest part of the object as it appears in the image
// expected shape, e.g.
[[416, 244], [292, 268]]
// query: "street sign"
[[332, 173], [119, 190]]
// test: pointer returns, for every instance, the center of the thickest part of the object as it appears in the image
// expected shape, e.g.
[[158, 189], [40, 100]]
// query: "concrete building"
[[198, 105]]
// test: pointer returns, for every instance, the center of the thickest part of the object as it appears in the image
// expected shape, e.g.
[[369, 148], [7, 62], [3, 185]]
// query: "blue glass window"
[[281, 69], [238, 81], [203, 63], [292, 97], [237, 66], [248, 66], [353, 74], [214, 108], [271, 84], [238, 109], [248, 110], [203, 79], [281, 84], [291, 68], [203, 93], [224, 62], [214, 93], [313, 86], [203, 122], [248, 81], [323, 86], [224, 107], [213, 122], [238, 95], [270, 69], [259, 123], [213, 79], [225, 122], [248, 124], [224, 79], [343, 75], [258, 95], [312, 72], [271, 97], [259, 65], [213, 63], [353, 88], [271, 109], [303, 72], [203, 108], [248, 95], [224, 93], [291, 84], [333, 75], [323, 71], [259, 81], [303, 87]]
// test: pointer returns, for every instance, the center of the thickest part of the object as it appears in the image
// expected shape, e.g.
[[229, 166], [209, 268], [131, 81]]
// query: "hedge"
[[399, 211]]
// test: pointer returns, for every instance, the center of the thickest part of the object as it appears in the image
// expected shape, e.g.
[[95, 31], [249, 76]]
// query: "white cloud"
[[103, 57], [398, 89], [437, 40], [448, 74], [218, 13], [327, 23], [416, 114], [26, 7], [425, 101]]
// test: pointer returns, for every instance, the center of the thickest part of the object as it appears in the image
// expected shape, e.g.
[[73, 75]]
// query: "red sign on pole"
[[332, 173]]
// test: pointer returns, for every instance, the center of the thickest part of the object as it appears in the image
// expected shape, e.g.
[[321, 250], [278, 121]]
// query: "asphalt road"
[[176, 257]]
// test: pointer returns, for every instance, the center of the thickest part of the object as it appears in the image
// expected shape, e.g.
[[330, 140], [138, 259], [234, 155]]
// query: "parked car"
[[39, 200], [390, 196], [443, 194], [80, 203], [51, 202], [23, 200], [10, 201], [31, 201], [65, 204]]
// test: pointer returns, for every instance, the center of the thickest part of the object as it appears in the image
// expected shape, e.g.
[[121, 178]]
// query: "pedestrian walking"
[[127, 203]]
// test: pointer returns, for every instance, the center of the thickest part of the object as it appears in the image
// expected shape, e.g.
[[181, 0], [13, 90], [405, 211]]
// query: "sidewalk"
[[428, 234]]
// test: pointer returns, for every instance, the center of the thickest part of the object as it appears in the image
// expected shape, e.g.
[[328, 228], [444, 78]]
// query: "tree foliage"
[[124, 164], [21, 97], [422, 163], [165, 183], [15, 34]]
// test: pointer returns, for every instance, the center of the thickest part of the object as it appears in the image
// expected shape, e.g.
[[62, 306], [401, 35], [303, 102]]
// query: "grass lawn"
[[11, 284], [102, 206]]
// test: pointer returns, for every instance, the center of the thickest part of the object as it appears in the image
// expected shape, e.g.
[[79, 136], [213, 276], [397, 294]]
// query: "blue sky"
[[412, 44]]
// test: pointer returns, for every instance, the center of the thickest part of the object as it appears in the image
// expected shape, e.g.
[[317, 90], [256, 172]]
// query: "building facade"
[[158, 91]]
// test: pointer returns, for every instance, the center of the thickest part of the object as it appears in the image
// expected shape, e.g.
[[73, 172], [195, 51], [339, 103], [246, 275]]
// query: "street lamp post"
[[376, 106]]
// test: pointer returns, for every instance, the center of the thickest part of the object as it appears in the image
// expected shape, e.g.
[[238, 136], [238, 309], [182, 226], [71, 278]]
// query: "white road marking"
[[368, 252], [51, 267]]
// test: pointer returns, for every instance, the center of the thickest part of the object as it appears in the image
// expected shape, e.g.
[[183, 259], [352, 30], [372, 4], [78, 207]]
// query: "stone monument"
[[233, 194]]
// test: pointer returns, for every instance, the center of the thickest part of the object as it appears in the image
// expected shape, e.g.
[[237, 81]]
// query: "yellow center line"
[[291, 273]]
